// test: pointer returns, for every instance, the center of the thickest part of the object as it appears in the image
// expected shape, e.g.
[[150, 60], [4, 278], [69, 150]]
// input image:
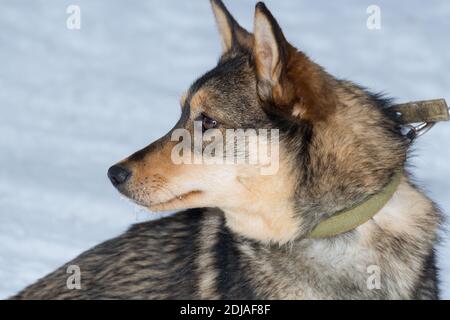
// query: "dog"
[[287, 235]]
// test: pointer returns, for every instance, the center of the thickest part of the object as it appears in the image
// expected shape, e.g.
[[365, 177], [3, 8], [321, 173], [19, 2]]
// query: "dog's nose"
[[118, 175]]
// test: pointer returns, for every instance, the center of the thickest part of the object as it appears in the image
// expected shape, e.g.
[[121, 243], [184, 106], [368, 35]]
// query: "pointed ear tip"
[[260, 6], [214, 3], [261, 11], [217, 4]]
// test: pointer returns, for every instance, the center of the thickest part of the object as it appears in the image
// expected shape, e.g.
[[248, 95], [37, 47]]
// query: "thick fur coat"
[[244, 235]]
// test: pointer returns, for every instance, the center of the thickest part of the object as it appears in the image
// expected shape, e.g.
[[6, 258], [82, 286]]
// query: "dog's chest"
[[310, 271]]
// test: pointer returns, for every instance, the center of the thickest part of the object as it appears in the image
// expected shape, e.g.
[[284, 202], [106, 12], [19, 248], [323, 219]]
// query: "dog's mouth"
[[177, 202]]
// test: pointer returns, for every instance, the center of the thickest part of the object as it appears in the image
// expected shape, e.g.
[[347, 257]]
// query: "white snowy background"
[[73, 102]]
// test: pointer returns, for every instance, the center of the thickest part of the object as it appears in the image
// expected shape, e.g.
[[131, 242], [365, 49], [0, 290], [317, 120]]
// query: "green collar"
[[349, 219], [427, 113]]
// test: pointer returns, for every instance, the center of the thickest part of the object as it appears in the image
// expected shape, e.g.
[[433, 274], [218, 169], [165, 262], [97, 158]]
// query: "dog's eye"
[[208, 123]]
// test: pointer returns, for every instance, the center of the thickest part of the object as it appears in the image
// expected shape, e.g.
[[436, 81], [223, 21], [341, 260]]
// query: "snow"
[[73, 102]]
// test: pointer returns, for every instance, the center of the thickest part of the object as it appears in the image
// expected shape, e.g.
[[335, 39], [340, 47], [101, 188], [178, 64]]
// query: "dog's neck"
[[355, 216], [267, 213], [395, 240], [277, 225], [344, 163], [281, 224]]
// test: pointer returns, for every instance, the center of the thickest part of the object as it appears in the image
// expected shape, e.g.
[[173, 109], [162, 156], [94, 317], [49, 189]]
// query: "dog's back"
[[156, 259]]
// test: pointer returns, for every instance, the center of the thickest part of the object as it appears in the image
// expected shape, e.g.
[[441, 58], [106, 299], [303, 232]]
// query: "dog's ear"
[[287, 79], [270, 53], [232, 35]]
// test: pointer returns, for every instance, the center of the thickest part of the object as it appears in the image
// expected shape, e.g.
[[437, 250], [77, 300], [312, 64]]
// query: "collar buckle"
[[420, 116], [418, 130]]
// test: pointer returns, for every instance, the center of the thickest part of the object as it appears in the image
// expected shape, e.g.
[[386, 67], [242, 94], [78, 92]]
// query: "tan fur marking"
[[264, 211], [403, 213], [183, 99], [199, 98], [298, 110]]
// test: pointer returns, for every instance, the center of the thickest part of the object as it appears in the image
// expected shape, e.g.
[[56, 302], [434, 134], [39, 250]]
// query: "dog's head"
[[305, 142]]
